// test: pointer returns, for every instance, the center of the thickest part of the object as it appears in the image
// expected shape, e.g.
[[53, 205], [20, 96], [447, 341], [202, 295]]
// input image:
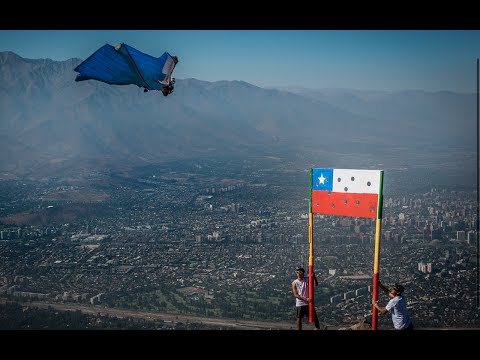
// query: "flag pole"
[[376, 258], [478, 182], [310, 258]]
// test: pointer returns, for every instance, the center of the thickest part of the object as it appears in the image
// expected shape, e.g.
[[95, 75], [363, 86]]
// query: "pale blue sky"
[[429, 60]]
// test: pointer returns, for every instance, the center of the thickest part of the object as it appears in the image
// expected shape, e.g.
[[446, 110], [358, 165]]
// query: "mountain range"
[[50, 124]]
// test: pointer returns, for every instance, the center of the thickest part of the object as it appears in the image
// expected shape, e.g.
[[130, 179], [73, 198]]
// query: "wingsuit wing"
[[125, 65]]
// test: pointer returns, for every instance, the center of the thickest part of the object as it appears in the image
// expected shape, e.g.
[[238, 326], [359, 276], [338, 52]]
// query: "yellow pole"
[[310, 268], [311, 291], [376, 270], [376, 256]]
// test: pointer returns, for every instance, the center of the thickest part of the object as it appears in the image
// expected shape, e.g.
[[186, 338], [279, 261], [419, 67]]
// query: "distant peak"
[[9, 56]]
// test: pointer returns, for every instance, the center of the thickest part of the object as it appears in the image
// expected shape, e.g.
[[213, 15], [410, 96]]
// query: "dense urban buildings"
[[188, 239]]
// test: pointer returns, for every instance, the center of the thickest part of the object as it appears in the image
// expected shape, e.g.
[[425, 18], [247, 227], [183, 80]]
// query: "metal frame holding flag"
[[347, 192]]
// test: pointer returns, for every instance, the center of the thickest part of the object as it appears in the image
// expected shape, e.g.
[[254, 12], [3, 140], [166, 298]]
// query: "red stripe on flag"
[[344, 204]]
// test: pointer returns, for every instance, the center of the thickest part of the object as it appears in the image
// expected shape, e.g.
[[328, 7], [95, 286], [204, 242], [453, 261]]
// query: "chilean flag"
[[346, 192]]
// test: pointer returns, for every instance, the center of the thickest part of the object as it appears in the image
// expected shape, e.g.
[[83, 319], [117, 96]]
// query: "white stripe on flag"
[[356, 181]]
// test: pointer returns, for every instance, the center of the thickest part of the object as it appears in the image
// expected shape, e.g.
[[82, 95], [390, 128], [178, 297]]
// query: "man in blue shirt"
[[397, 307]]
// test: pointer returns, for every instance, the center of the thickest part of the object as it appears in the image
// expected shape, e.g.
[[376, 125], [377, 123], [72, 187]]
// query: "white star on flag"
[[321, 179]]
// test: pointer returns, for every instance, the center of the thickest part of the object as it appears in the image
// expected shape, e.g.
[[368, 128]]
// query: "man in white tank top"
[[300, 291]]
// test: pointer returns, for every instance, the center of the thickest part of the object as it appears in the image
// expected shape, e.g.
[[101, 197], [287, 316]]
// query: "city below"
[[193, 245]]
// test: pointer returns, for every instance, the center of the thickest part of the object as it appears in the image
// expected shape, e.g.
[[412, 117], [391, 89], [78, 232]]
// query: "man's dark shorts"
[[302, 311]]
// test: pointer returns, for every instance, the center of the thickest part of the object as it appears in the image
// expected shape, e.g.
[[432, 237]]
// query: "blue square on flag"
[[322, 179]]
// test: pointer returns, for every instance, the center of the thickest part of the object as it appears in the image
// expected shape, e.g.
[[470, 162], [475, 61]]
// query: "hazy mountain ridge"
[[48, 120], [450, 116]]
